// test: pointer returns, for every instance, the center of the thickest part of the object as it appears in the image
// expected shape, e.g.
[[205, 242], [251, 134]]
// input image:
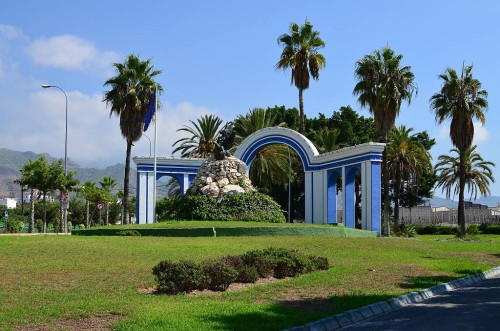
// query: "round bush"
[[178, 277], [251, 207], [262, 262], [218, 275]]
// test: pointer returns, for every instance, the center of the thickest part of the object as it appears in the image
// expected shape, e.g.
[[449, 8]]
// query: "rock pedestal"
[[217, 178]]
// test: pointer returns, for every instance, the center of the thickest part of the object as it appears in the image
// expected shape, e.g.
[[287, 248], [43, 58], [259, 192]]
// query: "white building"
[[10, 203]]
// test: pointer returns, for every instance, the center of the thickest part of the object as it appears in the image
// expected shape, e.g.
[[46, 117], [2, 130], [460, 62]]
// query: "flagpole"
[[154, 171]]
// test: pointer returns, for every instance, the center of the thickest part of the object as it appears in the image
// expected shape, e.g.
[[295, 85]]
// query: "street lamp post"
[[65, 150]]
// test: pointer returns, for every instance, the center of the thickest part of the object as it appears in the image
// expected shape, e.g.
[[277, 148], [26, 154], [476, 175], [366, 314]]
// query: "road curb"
[[357, 315]]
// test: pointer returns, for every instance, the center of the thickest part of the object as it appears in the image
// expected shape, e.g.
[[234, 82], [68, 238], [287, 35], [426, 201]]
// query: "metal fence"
[[425, 215]]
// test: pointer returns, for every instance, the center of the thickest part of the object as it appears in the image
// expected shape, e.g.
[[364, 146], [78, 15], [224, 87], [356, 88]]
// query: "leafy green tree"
[[107, 184], [203, 136], [67, 183], [383, 84], [300, 53], [460, 99], [89, 192], [478, 173], [289, 116], [131, 92], [29, 180], [406, 159]]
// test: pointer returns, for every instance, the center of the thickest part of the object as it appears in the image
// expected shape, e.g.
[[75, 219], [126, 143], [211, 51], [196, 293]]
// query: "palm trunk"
[[397, 189], [385, 189], [107, 213], [302, 128], [61, 215], [87, 214], [32, 212], [461, 205], [125, 216], [44, 212]]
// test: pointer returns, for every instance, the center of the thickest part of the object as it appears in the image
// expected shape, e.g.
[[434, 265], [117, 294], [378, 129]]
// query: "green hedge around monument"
[[251, 207]]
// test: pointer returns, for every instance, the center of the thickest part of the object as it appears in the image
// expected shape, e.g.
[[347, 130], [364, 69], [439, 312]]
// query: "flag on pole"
[[151, 111]]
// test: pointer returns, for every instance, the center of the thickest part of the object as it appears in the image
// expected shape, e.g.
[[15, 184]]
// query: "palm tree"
[[300, 53], [382, 87], [204, 135], [130, 95], [326, 140], [460, 99], [29, 180], [478, 174], [107, 184], [67, 183], [406, 160], [87, 192], [270, 165]]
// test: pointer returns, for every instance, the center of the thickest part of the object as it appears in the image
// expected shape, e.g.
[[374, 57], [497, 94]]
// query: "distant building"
[[10, 203], [471, 205], [438, 209]]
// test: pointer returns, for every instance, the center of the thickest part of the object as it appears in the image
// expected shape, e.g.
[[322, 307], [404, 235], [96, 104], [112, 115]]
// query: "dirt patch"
[[232, 287], [102, 322]]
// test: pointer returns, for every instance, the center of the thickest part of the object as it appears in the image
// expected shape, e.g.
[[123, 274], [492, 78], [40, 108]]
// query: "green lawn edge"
[[330, 231]]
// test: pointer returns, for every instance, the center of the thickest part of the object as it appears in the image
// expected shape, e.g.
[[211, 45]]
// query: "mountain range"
[[12, 161]]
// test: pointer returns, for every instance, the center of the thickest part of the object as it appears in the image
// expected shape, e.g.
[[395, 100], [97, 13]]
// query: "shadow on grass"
[[422, 282], [289, 313]]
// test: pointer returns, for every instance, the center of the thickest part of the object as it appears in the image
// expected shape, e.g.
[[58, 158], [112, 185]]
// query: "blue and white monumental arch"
[[321, 174]]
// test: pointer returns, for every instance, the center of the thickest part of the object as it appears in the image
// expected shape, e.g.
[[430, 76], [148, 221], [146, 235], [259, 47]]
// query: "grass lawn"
[[50, 282]]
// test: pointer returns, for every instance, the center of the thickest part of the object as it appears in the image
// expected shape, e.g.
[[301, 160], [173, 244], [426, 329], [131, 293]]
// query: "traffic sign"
[[6, 214], [99, 206]]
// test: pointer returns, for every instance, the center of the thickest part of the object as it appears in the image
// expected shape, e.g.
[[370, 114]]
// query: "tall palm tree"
[[203, 137], [383, 84], [406, 160], [130, 95], [300, 53], [460, 99], [478, 173], [107, 184]]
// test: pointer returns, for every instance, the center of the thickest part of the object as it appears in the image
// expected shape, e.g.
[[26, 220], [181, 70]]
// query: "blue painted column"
[[349, 197], [332, 197], [376, 193]]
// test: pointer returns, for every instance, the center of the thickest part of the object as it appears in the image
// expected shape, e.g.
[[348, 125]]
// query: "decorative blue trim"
[[137, 210], [312, 198]]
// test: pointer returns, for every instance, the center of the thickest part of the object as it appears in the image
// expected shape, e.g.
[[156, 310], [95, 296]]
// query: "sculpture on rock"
[[220, 176], [220, 153]]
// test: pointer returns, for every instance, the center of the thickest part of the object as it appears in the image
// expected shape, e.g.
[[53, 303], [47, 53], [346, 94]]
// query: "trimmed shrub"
[[246, 273], [132, 233], [489, 229], [178, 277], [251, 207], [436, 229], [262, 262], [218, 275]]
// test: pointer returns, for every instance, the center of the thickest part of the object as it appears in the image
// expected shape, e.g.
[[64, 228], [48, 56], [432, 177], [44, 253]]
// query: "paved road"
[[475, 307]]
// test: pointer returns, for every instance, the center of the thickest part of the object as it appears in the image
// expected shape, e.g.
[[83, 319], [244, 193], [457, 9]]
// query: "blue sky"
[[218, 57]]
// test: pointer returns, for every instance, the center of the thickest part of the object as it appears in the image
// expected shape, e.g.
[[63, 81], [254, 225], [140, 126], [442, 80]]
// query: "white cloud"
[[11, 32], [170, 119], [481, 134], [71, 53]]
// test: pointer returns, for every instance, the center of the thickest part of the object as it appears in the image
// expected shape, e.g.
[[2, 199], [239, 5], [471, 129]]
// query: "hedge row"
[[253, 207], [217, 274], [472, 229]]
